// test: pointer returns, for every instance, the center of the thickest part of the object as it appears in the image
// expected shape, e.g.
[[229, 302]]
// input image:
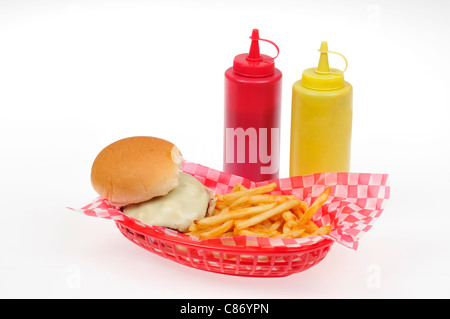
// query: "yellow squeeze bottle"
[[321, 120]]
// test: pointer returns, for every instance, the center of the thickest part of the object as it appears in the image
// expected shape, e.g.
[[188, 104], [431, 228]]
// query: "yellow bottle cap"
[[323, 77]]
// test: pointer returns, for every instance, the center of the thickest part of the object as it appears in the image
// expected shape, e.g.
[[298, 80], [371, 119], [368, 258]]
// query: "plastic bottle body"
[[252, 125], [321, 129]]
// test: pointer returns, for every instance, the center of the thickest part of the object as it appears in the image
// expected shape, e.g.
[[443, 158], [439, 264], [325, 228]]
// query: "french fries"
[[256, 212]]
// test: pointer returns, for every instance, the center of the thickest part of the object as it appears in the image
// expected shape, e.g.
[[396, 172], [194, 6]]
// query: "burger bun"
[[136, 169]]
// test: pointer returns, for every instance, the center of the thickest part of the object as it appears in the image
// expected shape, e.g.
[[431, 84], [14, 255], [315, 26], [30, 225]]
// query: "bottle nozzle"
[[323, 77], [254, 54], [254, 64], [323, 61]]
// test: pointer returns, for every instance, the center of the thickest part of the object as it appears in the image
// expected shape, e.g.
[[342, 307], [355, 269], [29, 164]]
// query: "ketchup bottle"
[[252, 115]]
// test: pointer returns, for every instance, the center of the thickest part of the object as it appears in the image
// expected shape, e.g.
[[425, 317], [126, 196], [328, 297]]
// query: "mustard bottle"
[[321, 119]]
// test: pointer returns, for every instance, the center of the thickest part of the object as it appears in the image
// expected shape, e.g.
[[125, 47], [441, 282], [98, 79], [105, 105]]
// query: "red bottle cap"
[[254, 64]]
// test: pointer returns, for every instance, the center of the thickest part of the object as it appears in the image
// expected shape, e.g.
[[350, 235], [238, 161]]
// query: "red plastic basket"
[[230, 260]]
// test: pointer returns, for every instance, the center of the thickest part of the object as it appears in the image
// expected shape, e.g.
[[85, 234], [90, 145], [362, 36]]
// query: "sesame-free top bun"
[[136, 169]]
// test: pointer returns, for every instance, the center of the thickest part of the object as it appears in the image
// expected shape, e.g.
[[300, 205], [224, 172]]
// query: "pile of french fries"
[[255, 212]]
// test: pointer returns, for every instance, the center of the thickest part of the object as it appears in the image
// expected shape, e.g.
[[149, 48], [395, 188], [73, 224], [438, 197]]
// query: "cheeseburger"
[[142, 175]]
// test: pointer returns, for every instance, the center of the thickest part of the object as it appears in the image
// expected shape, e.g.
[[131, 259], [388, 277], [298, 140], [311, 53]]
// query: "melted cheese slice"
[[178, 209]]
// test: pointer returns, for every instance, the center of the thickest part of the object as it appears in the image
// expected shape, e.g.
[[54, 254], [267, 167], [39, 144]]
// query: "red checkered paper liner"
[[354, 204]]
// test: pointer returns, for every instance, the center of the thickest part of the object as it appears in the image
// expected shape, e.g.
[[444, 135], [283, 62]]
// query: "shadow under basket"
[[224, 259]]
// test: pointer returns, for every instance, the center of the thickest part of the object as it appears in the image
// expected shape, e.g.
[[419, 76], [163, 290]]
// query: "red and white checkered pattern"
[[355, 202]]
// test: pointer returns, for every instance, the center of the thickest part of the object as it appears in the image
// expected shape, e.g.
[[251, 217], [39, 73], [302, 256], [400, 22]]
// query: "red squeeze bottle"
[[252, 115]]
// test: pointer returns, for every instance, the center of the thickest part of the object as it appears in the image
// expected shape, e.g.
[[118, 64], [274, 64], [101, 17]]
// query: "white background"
[[78, 75]]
